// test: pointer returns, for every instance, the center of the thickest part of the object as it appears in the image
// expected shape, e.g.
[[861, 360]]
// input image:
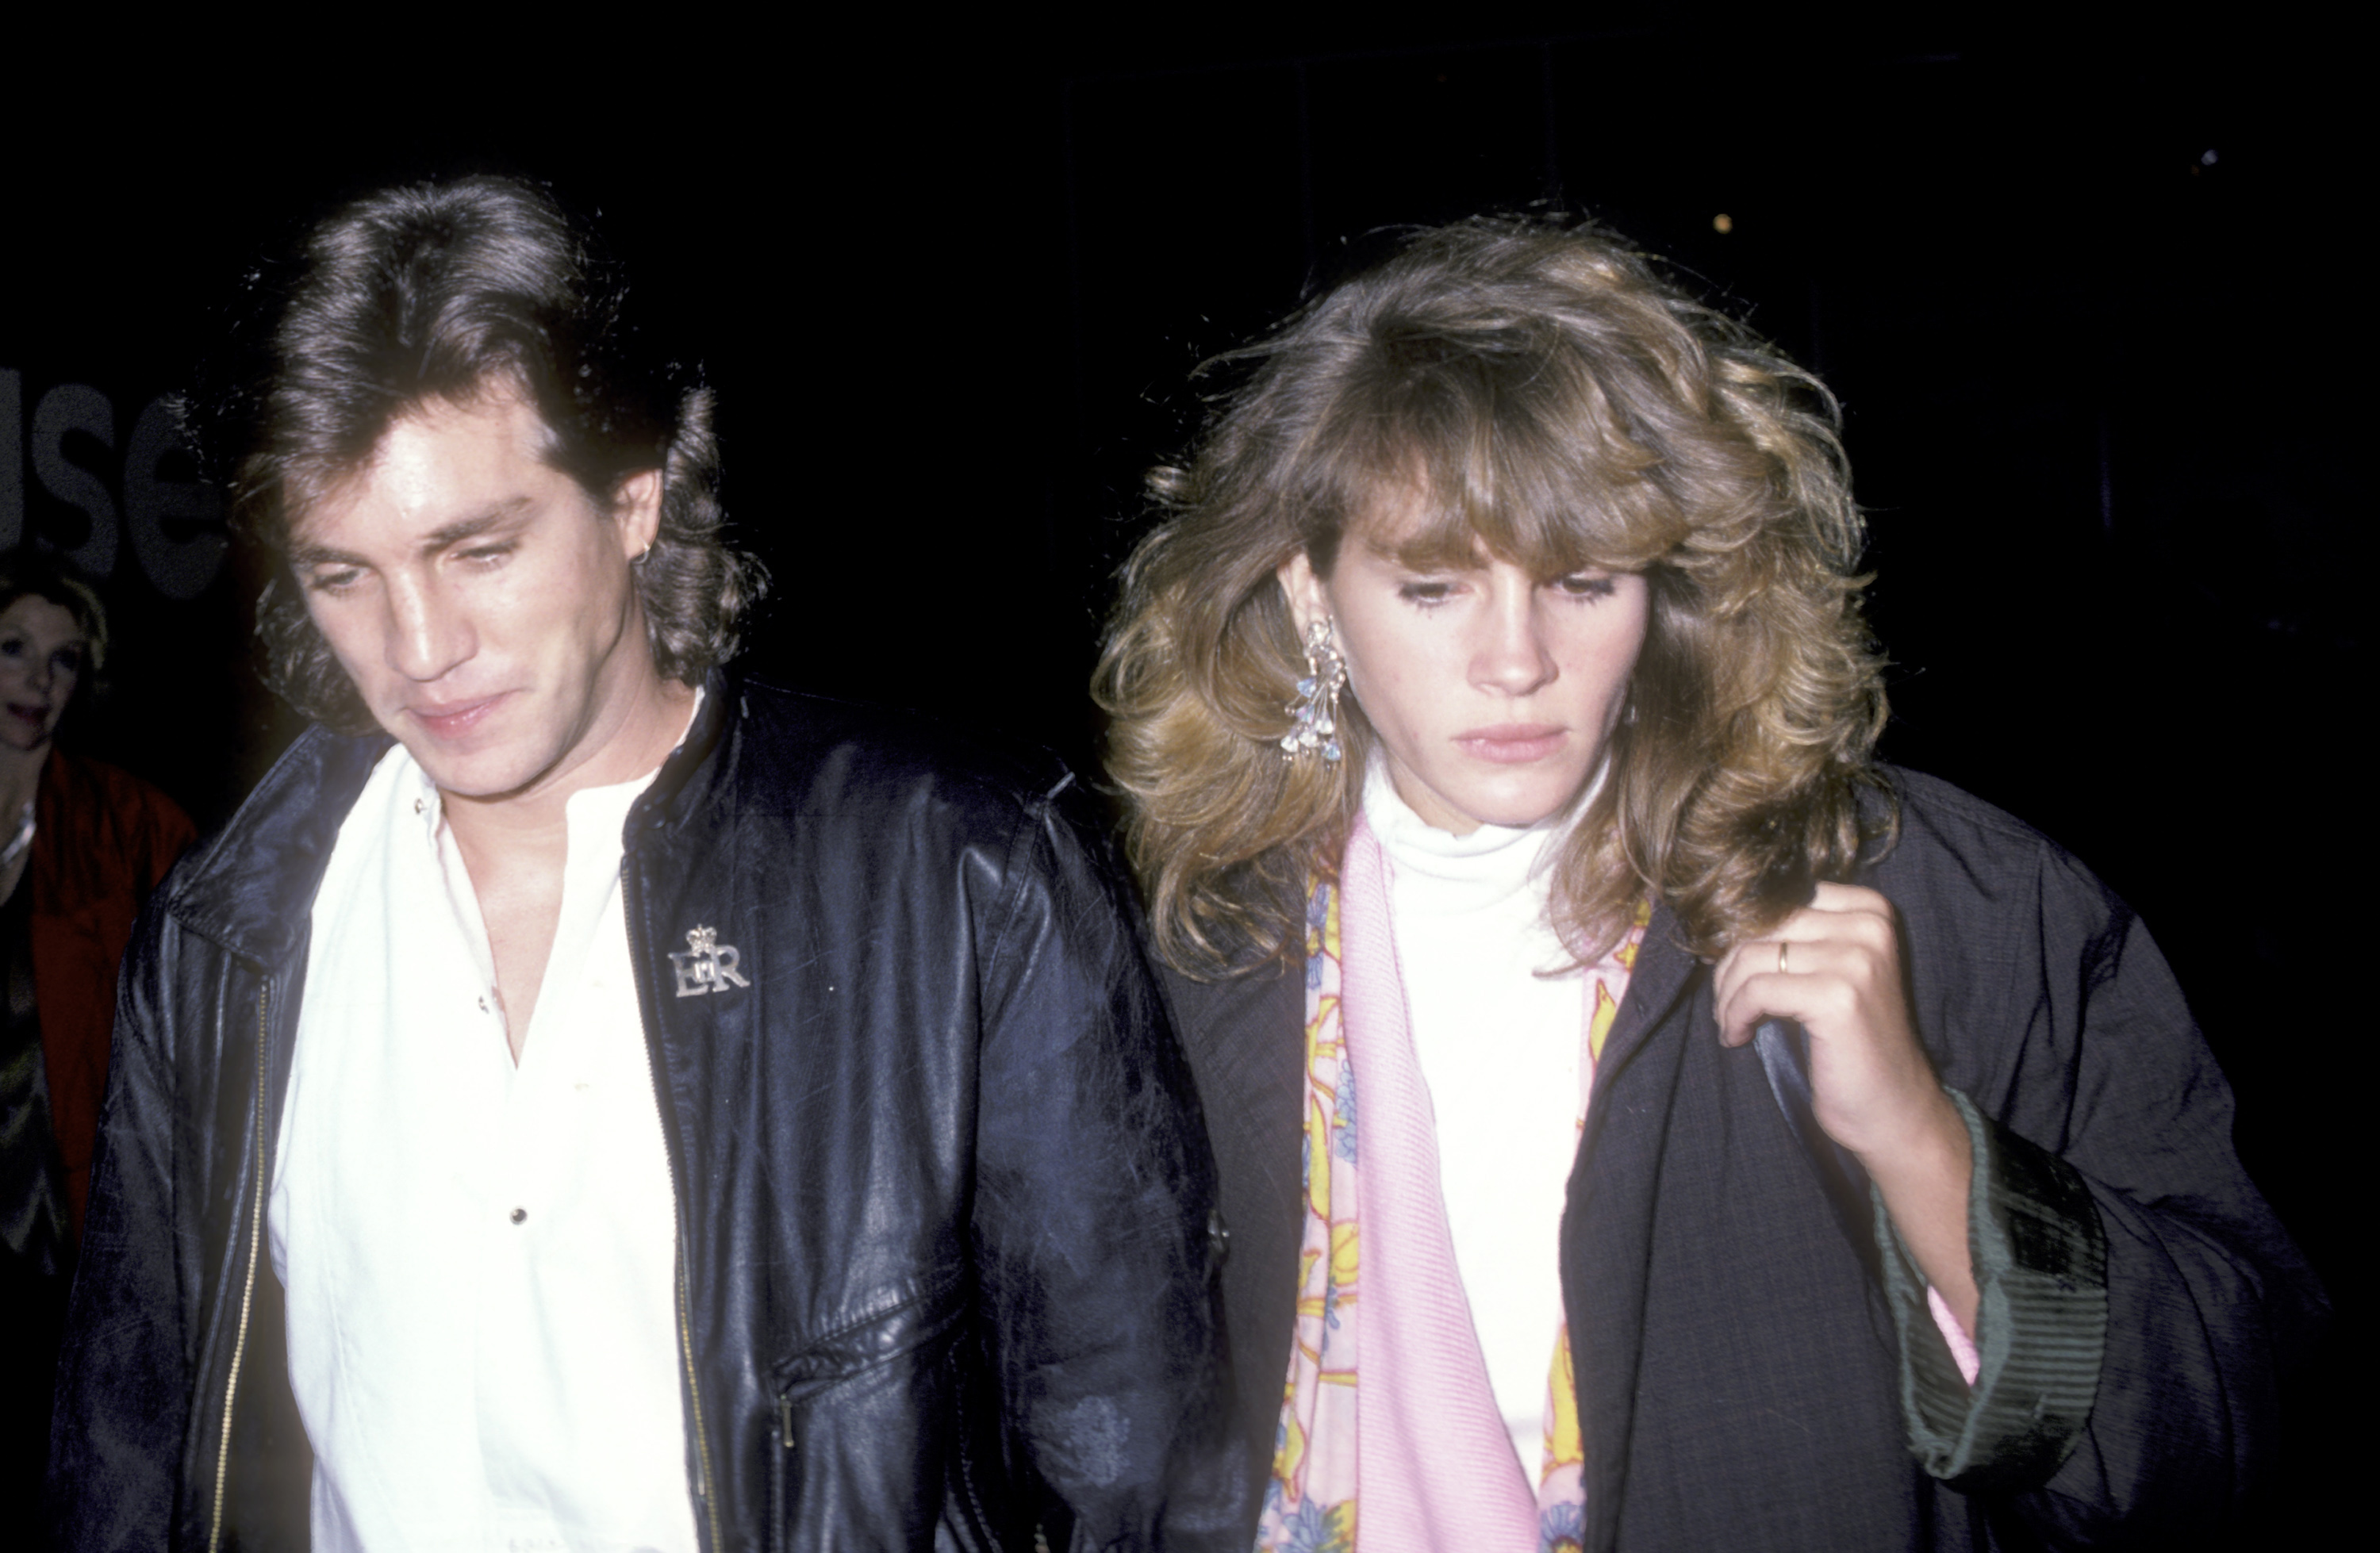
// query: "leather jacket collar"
[[252, 898]]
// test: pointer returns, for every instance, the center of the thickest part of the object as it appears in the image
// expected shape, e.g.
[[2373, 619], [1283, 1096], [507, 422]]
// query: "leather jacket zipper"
[[694, 1390], [255, 1236], [777, 1471], [248, 1286], [632, 900]]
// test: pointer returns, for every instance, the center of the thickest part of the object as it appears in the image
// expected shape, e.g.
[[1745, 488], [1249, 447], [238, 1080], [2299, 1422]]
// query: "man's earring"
[[1316, 710]]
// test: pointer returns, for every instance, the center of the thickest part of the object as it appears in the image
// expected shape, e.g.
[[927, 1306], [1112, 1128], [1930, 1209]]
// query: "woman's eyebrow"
[[1431, 552]]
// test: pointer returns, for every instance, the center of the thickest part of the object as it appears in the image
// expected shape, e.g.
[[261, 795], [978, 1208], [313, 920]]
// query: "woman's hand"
[[1834, 968]]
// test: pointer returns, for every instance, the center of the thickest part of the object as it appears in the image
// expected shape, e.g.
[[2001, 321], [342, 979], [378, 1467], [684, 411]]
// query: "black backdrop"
[[2085, 294]]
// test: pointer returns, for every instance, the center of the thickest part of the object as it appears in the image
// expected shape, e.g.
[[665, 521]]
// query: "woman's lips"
[[1512, 744], [454, 719]]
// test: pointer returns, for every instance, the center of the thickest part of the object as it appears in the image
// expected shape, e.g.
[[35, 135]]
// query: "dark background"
[[2086, 294]]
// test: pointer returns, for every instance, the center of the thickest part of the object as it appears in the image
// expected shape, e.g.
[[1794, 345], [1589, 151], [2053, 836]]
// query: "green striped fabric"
[[2041, 1267]]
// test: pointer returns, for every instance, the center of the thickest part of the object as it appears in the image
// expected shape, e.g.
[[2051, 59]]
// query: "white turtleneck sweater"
[[1500, 1047]]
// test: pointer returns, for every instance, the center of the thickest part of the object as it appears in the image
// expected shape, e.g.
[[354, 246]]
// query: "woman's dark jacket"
[[945, 1257], [1757, 1371]]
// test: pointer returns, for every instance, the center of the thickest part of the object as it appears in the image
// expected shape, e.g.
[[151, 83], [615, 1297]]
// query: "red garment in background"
[[103, 840]]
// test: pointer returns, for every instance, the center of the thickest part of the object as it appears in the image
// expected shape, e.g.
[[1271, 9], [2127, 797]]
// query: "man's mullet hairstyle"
[[1549, 396], [444, 292]]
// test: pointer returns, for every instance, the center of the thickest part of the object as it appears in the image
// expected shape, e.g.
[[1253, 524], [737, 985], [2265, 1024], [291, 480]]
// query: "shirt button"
[[519, 1214]]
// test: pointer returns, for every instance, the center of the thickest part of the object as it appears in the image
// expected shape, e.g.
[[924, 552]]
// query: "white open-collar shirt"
[[478, 1257]]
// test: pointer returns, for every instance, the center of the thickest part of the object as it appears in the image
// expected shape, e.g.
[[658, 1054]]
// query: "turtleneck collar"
[[1462, 874]]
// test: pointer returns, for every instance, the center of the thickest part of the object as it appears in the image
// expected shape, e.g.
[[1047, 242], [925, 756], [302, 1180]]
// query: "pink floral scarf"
[[1435, 1468]]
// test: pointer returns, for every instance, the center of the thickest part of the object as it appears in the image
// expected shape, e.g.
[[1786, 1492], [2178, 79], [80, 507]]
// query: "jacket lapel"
[[250, 887], [1607, 1222], [1246, 1041]]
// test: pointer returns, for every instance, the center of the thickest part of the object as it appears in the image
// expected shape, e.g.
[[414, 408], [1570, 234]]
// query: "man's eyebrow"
[[305, 554], [478, 524]]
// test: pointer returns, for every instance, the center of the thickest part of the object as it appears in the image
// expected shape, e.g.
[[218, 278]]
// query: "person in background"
[[82, 844], [1645, 1120]]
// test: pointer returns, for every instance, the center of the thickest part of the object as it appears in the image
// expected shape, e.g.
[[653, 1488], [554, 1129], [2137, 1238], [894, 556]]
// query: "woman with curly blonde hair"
[[1759, 1146]]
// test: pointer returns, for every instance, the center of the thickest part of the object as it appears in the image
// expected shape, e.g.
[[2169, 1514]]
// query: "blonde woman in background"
[[82, 844]]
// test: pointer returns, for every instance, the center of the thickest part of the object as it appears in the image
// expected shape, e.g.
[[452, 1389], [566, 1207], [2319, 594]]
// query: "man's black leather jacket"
[[945, 1235]]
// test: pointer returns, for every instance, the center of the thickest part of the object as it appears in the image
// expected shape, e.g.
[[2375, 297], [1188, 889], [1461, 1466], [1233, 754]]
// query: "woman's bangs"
[[1523, 495]]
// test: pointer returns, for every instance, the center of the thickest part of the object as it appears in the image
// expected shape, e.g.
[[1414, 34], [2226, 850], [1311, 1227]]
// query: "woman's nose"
[[1512, 657]]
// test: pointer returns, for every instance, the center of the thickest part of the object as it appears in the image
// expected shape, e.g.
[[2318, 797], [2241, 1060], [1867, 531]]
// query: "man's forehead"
[[437, 453]]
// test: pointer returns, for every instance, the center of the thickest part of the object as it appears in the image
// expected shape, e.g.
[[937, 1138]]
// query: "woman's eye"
[[1588, 584], [12, 646], [65, 662], [1426, 591]]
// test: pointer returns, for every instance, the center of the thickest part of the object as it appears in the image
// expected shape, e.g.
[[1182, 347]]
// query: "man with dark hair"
[[586, 1099]]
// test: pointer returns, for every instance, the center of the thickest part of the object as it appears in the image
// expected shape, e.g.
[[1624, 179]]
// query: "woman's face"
[[1492, 691], [41, 651]]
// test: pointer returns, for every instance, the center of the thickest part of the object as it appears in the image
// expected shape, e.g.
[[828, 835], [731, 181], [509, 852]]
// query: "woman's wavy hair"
[[1554, 400], [446, 292], [27, 573]]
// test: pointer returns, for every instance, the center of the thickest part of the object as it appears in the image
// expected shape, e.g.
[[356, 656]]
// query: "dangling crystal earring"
[[1316, 710]]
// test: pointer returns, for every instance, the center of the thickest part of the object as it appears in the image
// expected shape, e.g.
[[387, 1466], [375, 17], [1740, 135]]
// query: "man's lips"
[[1513, 743], [29, 714], [452, 720]]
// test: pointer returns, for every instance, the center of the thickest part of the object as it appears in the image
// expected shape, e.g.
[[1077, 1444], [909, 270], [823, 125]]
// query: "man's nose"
[[428, 634]]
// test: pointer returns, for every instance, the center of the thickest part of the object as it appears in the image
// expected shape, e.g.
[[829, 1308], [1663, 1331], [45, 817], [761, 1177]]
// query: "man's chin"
[[483, 776]]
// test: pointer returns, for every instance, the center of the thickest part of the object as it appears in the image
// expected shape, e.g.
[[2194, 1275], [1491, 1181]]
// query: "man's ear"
[[1302, 587], [636, 507]]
